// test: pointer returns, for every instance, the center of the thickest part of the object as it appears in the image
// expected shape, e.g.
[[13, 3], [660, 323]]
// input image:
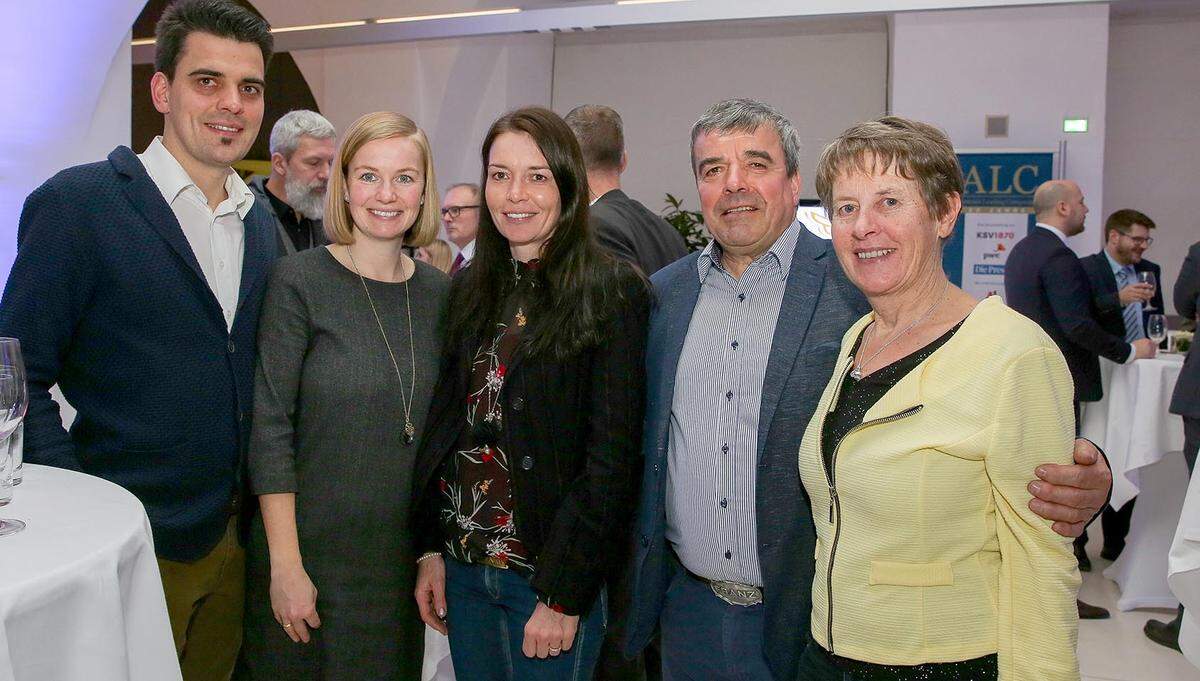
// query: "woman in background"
[[930, 564], [526, 481], [349, 342], [436, 253]]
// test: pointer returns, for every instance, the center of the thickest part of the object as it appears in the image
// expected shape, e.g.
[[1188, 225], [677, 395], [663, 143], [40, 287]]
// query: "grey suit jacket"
[[1186, 399], [819, 305]]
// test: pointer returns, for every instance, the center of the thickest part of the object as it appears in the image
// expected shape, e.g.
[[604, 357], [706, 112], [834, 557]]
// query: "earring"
[[346, 198]]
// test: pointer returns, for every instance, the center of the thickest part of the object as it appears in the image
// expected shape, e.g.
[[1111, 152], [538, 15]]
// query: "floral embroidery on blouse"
[[478, 507]]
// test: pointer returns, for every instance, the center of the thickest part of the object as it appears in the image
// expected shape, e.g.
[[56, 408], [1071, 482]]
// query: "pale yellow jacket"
[[928, 542]]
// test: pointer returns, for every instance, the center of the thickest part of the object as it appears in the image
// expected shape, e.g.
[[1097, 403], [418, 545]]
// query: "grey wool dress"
[[329, 426]]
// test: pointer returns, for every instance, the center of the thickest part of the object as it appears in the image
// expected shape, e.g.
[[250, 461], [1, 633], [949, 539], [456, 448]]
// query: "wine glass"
[[14, 400], [1156, 328], [1148, 278]]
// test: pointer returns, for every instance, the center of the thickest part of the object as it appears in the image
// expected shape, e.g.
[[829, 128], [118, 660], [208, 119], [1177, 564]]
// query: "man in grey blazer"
[[741, 343], [1185, 401]]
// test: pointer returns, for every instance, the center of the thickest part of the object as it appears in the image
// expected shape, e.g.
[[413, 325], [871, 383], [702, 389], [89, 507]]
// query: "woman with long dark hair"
[[525, 482]]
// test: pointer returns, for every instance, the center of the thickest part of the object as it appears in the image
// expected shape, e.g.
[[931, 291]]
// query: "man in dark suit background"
[[631, 232], [1118, 296], [1185, 401], [742, 342], [622, 225], [1119, 300], [460, 217], [136, 288], [1044, 281]]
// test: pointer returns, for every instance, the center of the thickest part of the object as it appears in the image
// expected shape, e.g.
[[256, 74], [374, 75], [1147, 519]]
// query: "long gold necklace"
[[410, 431]]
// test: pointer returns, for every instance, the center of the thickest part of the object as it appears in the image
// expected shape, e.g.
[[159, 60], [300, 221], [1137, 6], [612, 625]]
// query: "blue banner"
[[997, 212]]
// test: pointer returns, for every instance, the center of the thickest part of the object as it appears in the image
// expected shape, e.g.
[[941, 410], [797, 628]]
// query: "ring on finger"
[[288, 625], [555, 650]]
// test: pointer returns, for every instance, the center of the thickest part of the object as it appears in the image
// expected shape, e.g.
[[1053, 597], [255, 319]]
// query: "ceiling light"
[[645, 2], [455, 15], [284, 29], [314, 27]]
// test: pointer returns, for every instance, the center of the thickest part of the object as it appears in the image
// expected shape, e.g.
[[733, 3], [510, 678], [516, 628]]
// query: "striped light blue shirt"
[[712, 452], [1131, 313]]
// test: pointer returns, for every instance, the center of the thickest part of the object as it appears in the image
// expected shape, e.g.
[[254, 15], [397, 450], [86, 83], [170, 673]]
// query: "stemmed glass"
[[14, 400], [1148, 278], [1156, 328]]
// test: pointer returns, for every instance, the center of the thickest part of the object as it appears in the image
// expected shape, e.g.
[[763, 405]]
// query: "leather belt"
[[733, 593]]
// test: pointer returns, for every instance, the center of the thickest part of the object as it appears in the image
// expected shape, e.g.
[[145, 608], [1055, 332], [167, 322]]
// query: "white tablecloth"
[[1184, 571], [80, 593], [438, 666], [1133, 427]]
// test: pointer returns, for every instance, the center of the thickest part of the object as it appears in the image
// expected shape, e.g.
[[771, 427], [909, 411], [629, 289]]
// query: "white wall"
[[824, 74], [453, 89], [1036, 64], [67, 103], [1152, 160]]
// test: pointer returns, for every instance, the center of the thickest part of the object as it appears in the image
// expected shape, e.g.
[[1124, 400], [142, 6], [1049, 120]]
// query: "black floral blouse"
[[476, 484]]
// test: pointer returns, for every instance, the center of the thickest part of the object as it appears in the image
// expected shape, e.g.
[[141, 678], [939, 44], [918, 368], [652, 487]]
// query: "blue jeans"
[[706, 639], [486, 612]]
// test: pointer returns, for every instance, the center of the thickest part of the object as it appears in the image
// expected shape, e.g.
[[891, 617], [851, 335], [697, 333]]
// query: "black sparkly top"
[[859, 395]]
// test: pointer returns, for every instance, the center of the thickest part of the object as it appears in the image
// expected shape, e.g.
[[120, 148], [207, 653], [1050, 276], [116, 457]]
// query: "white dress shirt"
[[468, 253], [1056, 231], [217, 237]]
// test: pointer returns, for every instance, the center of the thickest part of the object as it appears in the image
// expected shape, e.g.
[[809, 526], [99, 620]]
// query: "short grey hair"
[[285, 136], [747, 115]]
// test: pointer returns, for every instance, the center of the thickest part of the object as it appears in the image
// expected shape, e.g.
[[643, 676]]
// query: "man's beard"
[[306, 199]]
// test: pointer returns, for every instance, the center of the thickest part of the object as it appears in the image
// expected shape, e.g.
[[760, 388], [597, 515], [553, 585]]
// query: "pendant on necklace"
[[856, 374], [520, 317], [410, 432]]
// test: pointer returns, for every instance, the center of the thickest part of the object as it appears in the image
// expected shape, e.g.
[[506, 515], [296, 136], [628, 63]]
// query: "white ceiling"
[[575, 15], [1154, 9], [556, 15], [299, 12]]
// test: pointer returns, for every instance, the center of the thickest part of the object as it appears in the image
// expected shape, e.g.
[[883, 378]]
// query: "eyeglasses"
[[453, 211], [1138, 240]]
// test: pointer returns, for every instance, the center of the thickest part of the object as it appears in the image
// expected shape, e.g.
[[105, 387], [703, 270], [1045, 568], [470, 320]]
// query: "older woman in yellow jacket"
[[930, 564]]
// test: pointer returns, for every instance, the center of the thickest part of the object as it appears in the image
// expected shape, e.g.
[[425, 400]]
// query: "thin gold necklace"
[[410, 431], [857, 373]]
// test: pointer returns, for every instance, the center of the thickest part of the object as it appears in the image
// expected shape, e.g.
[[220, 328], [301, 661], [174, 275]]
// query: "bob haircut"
[[916, 151], [439, 254], [381, 125]]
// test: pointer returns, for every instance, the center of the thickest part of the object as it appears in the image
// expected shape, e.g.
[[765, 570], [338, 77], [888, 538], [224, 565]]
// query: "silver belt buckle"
[[734, 593]]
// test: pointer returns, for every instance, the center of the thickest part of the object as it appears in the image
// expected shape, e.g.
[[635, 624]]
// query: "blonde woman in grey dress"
[[349, 342]]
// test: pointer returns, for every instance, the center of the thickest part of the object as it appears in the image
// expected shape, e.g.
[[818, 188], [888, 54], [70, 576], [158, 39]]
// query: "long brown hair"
[[578, 283]]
